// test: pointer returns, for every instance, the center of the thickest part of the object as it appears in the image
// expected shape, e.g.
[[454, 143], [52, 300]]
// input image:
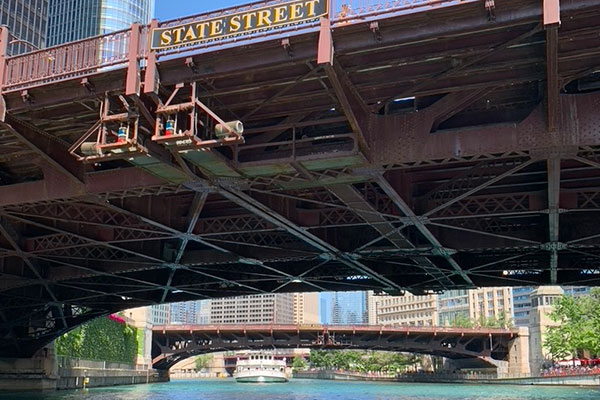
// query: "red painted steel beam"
[[47, 147], [552, 78], [352, 104], [132, 83]]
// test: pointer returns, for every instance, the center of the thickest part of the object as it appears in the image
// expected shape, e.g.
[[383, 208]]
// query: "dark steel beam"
[[553, 215], [46, 147], [356, 201], [352, 104], [327, 249], [420, 225], [195, 210]]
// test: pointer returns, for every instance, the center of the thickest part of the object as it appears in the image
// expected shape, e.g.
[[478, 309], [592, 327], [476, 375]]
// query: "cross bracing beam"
[[401, 204]]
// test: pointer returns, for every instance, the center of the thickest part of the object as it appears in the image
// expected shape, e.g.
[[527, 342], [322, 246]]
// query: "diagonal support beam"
[[470, 192], [356, 201], [47, 147], [352, 104], [256, 207], [196, 210], [13, 239], [453, 103], [465, 64], [418, 222], [553, 213]]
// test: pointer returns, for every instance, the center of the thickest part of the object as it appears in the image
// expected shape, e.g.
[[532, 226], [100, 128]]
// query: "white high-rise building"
[[407, 310], [255, 309], [159, 314]]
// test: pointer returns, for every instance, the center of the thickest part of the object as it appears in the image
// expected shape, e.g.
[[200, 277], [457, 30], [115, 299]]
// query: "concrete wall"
[[45, 371], [36, 373]]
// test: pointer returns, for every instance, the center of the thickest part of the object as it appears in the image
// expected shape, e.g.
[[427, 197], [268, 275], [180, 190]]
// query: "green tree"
[[298, 363], [462, 321], [202, 361], [577, 326]]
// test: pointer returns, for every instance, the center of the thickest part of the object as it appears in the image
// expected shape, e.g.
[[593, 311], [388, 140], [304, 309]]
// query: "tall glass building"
[[26, 21], [341, 308], [70, 20]]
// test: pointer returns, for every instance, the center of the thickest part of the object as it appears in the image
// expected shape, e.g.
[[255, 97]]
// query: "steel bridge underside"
[[439, 150], [171, 344]]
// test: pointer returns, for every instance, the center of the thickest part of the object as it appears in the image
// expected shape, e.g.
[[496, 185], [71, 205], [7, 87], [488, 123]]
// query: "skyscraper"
[[340, 308], [26, 21], [70, 20]]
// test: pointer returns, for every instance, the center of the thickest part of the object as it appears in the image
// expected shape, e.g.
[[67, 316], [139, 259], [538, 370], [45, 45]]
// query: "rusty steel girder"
[[391, 155]]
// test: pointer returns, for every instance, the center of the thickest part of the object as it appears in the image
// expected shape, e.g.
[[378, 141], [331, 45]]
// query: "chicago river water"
[[228, 389]]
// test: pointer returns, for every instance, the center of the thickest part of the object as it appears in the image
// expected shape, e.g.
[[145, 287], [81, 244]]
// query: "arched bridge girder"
[[171, 347]]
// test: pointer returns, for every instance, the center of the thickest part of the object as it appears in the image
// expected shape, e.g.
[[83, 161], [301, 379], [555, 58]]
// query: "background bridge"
[[173, 343], [442, 145]]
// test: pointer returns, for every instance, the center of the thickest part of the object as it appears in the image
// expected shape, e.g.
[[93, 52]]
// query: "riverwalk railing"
[[97, 54], [70, 363]]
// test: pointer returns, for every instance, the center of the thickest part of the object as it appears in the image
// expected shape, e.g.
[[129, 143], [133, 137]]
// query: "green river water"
[[228, 389]]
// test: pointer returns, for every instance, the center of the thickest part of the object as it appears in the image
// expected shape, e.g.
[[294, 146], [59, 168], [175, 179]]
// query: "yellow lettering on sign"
[[295, 11], [291, 12], [178, 32], [190, 34], [311, 4], [165, 38], [235, 23], [248, 19], [280, 14], [264, 18], [216, 27], [201, 28]]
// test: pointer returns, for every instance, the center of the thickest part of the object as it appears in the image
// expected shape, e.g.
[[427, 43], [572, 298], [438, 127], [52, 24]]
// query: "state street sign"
[[246, 22]]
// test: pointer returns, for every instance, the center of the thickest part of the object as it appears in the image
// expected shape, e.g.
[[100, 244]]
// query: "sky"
[[169, 9]]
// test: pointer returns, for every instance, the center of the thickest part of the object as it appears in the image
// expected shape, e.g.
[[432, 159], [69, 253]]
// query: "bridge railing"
[[88, 56], [66, 61]]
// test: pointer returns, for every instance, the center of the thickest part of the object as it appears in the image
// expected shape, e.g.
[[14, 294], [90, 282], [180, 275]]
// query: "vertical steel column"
[[551, 24], [151, 76], [325, 50], [132, 85], [553, 215], [4, 37]]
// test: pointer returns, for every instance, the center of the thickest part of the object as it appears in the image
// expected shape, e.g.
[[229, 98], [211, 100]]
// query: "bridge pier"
[[518, 355], [39, 372]]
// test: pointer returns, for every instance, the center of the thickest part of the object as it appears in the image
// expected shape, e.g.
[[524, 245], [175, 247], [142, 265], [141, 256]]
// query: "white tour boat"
[[260, 367]]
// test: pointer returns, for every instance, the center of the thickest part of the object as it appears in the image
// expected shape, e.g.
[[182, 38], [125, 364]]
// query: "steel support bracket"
[[554, 246]]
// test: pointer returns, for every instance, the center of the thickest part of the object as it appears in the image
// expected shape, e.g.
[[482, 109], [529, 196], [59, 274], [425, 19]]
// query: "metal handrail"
[[91, 55]]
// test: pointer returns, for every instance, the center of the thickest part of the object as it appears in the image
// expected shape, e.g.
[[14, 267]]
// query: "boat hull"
[[261, 379]]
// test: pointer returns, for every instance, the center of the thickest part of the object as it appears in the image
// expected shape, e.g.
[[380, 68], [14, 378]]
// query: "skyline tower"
[[71, 20], [27, 21]]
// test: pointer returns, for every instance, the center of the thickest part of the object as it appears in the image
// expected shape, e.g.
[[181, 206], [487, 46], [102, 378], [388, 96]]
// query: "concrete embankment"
[[48, 373], [341, 376], [576, 380], [72, 374]]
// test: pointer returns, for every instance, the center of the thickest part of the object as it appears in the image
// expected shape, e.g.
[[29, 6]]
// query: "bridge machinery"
[[389, 145]]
